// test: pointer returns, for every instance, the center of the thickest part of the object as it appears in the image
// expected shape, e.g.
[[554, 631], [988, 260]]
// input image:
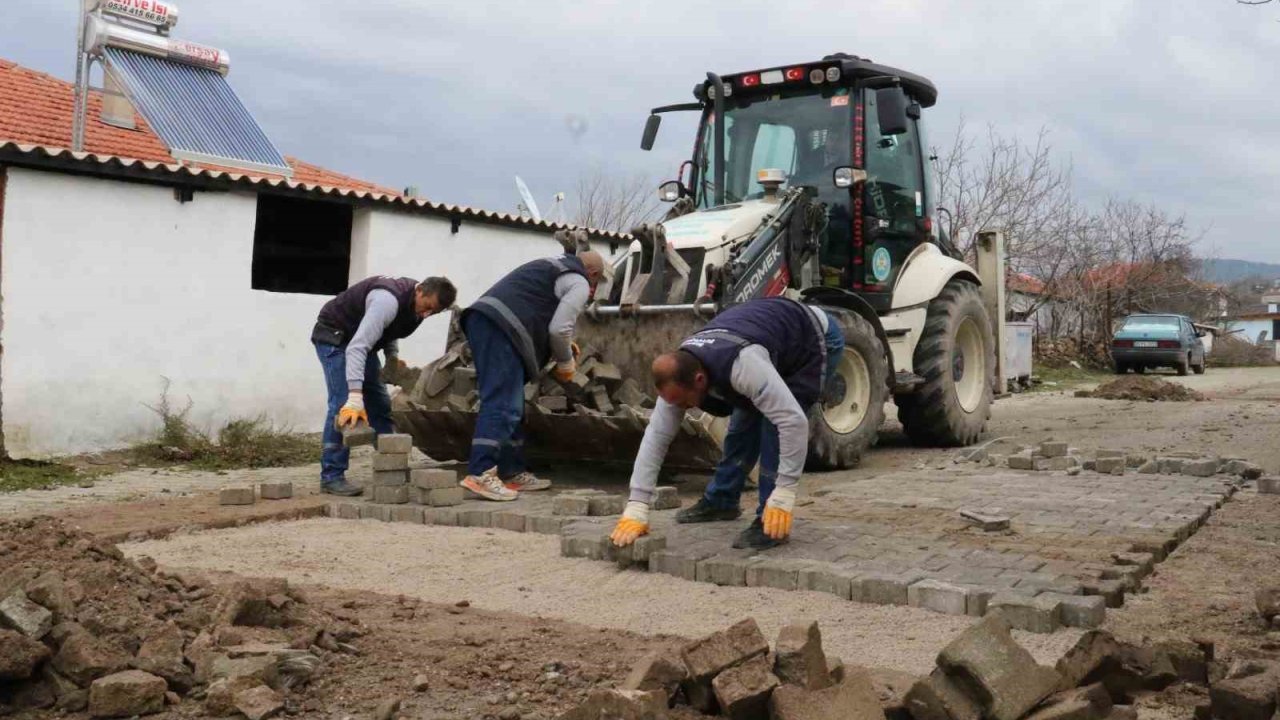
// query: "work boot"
[[754, 538], [703, 511], [526, 482], [489, 486], [340, 487]]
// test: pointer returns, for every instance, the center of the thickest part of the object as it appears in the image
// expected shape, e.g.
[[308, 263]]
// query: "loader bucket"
[[585, 435]]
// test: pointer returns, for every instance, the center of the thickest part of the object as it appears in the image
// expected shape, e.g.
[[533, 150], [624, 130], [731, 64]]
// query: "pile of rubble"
[[1052, 455], [81, 627], [1139, 387], [597, 388], [982, 673]]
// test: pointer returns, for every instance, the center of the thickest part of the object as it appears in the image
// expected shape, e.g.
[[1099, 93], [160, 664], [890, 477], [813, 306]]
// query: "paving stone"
[[637, 553], [1246, 698], [126, 694], [723, 649], [1110, 466], [853, 699], [743, 690], [938, 596], [407, 513], [1082, 611], [395, 443], [362, 435], [798, 656], [390, 495], [512, 521], [1188, 659], [1053, 449], [676, 564], [445, 497], [1040, 464], [237, 495], [1110, 589], [565, 504], [544, 524], [390, 461], [445, 516], [1150, 467], [886, 588], [989, 522], [979, 598], [1091, 702], [780, 574], [1171, 465], [1269, 485], [657, 671], [275, 490], [939, 697], [823, 577], [666, 497], [1040, 613], [433, 479], [349, 510], [728, 570], [475, 517], [602, 505], [390, 478], [1021, 461], [1006, 678], [590, 546], [1063, 463], [20, 613], [1092, 654]]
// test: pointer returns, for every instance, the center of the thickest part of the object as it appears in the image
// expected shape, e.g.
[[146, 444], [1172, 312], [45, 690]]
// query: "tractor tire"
[[842, 430], [956, 357]]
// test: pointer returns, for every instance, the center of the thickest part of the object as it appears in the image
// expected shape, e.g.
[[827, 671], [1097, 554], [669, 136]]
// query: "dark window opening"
[[301, 246]]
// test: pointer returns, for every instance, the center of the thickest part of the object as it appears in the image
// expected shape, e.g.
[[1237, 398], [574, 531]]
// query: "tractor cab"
[[846, 128]]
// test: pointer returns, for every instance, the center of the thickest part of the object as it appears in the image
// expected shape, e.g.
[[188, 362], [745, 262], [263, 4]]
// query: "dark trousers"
[[334, 457], [499, 437]]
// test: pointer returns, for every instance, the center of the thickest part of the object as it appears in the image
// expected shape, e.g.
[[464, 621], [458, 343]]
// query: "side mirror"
[[846, 177], [650, 132], [891, 111], [670, 191]]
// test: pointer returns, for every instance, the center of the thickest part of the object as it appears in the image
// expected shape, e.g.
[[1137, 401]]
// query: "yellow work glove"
[[633, 523], [352, 413], [778, 512], [565, 371]]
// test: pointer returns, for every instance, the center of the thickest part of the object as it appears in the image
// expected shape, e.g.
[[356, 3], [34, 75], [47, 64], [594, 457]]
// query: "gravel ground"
[[521, 573]]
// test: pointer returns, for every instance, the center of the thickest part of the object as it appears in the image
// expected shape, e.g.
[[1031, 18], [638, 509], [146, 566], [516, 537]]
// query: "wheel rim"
[[851, 395], [968, 367]]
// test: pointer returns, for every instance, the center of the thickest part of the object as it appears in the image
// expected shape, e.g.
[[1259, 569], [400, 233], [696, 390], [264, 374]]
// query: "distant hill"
[[1228, 271]]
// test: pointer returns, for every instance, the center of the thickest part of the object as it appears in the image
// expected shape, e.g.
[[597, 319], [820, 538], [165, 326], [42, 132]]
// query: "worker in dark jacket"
[[363, 319], [763, 364], [514, 329]]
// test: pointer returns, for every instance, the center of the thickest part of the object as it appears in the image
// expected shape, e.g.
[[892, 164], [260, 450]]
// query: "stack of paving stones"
[[1046, 554], [390, 480], [1052, 455]]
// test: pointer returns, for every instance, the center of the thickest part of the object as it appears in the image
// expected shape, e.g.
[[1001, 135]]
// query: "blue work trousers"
[[500, 378], [334, 456]]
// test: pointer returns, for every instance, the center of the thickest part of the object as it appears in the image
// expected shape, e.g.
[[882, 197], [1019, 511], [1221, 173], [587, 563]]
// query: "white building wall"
[[109, 287]]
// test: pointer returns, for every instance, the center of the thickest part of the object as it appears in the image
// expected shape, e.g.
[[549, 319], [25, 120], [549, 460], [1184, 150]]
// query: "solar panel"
[[195, 112]]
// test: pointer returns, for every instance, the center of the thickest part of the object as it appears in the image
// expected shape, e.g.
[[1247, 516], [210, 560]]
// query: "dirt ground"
[[531, 609]]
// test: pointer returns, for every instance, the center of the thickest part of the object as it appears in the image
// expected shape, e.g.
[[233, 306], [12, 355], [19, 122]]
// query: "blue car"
[[1150, 341]]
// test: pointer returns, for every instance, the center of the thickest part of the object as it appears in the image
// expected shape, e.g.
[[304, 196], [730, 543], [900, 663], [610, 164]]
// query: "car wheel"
[[1183, 365], [1121, 368], [1139, 368], [1199, 368]]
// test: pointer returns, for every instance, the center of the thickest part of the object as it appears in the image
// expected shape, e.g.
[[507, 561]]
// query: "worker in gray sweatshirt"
[[763, 364], [363, 319]]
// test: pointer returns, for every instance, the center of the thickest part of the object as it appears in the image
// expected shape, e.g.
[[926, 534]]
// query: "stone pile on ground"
[[1139, 387], [1051, 455], [82, 628], [597, 389], [732, 673]]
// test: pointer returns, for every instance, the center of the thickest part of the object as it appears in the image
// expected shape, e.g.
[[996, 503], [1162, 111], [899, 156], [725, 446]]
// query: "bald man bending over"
[[514, 329]]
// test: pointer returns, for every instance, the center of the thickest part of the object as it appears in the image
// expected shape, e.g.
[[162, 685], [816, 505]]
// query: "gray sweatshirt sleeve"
[[573, 290], [758, 380], [380, 308], [663, 425]]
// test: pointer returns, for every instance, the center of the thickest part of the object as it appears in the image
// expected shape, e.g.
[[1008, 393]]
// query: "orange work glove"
[[565, 371], [351, 414], [633, 523], [778, 512]]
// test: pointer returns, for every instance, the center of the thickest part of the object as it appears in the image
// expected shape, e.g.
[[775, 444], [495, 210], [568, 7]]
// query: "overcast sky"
[[1174, 102]]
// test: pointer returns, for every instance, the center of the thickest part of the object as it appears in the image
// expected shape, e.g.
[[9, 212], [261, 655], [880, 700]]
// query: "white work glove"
[[633, 523], [353, 412], [779, 510]]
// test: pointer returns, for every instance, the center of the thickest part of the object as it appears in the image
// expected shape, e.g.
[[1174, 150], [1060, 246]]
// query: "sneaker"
[[340, 487], [754, 538], [703, 511], [488, 486], [527, 482]]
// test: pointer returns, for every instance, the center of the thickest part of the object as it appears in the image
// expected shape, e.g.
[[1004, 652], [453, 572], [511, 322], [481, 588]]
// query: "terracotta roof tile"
[[37, 109]]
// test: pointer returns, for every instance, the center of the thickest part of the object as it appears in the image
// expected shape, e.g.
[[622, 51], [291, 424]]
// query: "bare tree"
[[607, 199]]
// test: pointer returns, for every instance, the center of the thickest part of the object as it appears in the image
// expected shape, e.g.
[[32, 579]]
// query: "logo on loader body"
[[767, 265]]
